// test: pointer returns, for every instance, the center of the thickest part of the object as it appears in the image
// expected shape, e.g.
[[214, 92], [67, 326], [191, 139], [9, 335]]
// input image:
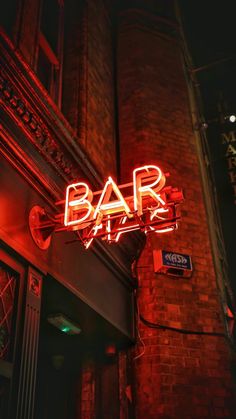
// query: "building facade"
[[91, 89]]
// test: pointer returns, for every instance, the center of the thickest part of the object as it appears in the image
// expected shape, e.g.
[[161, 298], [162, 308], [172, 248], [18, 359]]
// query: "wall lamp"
[[231, 118], [203, 125]]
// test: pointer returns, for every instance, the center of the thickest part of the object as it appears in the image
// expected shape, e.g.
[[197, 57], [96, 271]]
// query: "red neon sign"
[[148, 205]]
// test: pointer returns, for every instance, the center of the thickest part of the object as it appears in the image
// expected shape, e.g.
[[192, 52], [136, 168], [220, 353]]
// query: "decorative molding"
[[25, 100], [40, 135]]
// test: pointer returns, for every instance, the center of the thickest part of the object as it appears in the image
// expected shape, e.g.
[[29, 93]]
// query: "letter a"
[[156, 179], [105, 206]]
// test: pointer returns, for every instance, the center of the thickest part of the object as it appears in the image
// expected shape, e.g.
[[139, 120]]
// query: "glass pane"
[[7, 294], [50, 22], [8, 15], [44, 70]]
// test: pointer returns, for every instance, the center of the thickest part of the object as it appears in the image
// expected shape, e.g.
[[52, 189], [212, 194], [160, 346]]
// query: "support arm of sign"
[[142, 188], [94, 231]]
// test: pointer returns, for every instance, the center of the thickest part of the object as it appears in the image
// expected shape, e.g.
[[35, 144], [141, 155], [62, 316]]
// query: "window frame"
[[55, 59]]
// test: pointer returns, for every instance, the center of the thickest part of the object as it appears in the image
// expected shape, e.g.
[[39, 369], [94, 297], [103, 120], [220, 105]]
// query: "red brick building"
[[91, 89]]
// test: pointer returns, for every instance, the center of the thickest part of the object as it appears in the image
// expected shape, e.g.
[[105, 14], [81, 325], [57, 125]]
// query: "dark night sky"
[[211, 36], [210, 28]]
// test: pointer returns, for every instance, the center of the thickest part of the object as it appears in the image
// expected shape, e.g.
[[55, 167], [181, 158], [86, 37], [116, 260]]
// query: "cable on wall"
[[175, 329], [139, 336]]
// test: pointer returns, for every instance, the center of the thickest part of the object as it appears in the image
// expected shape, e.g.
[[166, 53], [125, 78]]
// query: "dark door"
[[107, 389], [59, 358]]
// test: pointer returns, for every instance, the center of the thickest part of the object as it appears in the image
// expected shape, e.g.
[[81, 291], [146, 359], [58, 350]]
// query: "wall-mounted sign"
[[175, 264], [145, 204]]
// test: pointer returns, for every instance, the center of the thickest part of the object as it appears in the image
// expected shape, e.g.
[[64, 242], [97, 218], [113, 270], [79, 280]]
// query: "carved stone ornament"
[[40, 135]]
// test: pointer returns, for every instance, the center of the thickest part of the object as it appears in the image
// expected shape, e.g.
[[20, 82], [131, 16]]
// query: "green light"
[[65, 329], [65, 325]]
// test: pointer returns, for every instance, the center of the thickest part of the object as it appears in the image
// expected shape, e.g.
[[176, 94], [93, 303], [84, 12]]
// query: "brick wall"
[[179, 376], [87, 407]]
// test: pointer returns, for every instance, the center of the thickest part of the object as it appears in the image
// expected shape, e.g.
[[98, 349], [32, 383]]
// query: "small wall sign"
[[175, 264]]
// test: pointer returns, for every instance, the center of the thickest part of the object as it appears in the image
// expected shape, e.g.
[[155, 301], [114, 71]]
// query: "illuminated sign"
[[177, 260], [145, 204], [175, 264]]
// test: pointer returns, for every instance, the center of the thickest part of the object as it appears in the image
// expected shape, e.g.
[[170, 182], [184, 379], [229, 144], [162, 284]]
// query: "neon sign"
[[145, 204]]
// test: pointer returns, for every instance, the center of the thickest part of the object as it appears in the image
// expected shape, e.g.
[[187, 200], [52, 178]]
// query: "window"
[[7, 298], [8, 16], [49, 61], [11, 288]]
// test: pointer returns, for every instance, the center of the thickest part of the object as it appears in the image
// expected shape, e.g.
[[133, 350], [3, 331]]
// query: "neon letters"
[[148, 205]]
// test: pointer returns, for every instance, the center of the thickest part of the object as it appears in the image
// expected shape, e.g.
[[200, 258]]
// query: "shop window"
[[8, 15], [7, 298], [9, 293], [50, 47]]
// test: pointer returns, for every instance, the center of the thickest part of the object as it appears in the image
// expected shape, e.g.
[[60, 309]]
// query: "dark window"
[[50, 22], [7, 299], [11, 286], [8, 15], [44, 69], [49, 62]]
